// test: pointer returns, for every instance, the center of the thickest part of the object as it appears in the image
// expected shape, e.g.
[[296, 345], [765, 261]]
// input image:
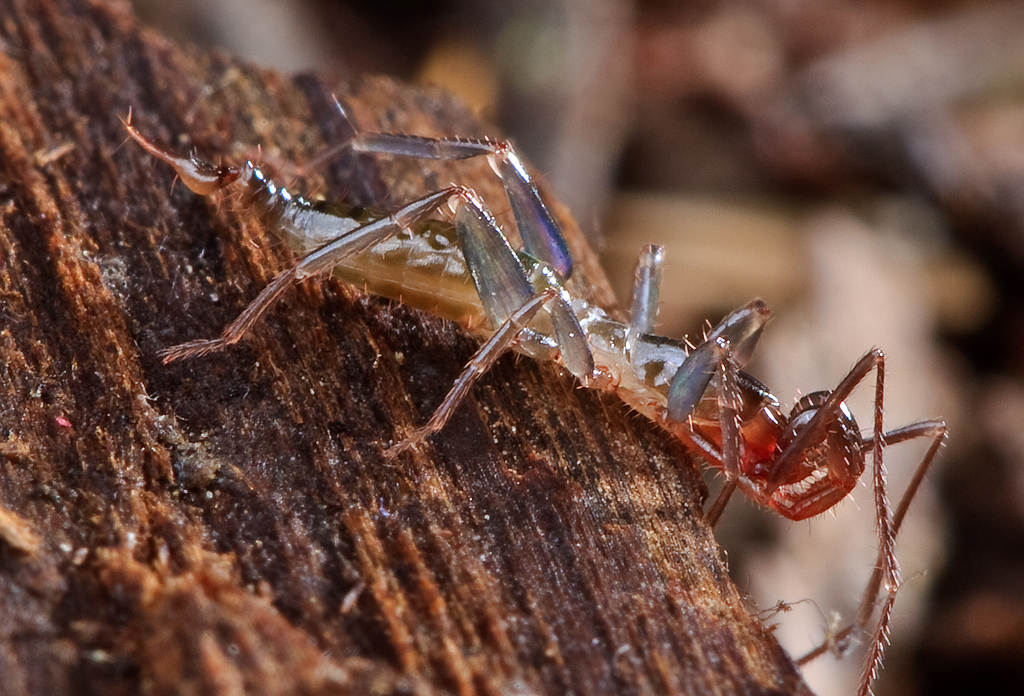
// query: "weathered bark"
[[230, 523]]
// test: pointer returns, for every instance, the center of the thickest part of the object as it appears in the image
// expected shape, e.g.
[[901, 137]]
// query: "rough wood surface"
[[228, 524]]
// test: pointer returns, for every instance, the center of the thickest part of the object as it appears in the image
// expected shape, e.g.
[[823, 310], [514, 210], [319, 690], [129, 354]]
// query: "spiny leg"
[[541, 234], [705, 361], [936, 430], [729, 401], [887, 566], [485, 357], [811, 436], [318, 261]]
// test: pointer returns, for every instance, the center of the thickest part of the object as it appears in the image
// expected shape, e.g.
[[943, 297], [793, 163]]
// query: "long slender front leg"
[[889, 565], [937, 431], [812, 434], [321, 260], [541, 234]]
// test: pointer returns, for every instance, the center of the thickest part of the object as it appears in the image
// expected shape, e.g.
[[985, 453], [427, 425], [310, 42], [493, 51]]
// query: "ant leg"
[[811, 436], [887, 566], [502, 339], [541, 234], [321, 260], [713, 455], [729, 403], [936, 430], [714, 512]]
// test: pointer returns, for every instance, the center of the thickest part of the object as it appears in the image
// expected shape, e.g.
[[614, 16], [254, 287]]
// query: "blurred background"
[[858, 164]]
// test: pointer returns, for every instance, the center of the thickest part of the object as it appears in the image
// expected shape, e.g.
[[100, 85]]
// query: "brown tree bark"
[[229, 524]]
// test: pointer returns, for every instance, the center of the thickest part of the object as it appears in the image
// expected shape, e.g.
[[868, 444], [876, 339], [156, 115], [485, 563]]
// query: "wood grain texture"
[[228, 524]]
